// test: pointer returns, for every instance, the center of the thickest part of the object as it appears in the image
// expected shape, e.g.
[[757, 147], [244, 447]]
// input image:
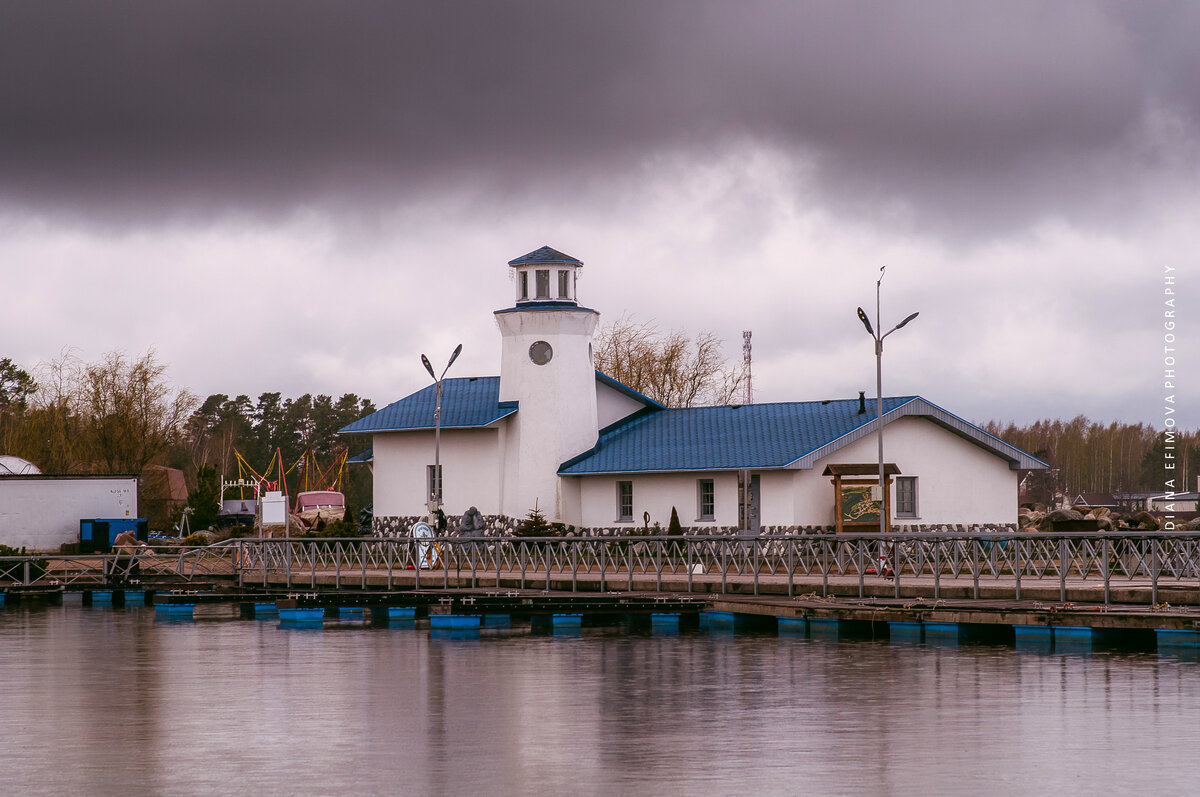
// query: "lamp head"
[[866, 322], [453, 357], [428, 367], [905, 321]]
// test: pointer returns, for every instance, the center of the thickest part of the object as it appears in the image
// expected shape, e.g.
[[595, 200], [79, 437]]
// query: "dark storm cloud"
[[957, 110]]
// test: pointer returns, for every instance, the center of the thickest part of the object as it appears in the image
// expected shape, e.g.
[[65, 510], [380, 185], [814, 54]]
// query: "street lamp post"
[[435, 502], [862, 316]]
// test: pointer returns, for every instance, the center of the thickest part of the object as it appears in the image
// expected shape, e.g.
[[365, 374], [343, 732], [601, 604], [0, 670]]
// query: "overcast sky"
[[304, 197]]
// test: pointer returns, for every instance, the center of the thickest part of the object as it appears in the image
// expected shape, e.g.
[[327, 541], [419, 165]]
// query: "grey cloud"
[[974, 114]]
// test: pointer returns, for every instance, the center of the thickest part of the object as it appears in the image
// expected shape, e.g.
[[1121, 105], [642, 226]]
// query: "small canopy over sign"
[[856, 495], [889, 469]]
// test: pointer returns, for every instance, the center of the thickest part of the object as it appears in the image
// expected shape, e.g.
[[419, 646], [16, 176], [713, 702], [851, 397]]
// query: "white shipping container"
[[42, 513]]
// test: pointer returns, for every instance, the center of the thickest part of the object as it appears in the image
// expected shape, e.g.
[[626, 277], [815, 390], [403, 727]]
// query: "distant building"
[[1086, 501], [551, 431], [1174, 502]]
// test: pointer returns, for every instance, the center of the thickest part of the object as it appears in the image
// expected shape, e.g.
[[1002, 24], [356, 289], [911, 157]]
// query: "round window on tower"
[[540, 352]]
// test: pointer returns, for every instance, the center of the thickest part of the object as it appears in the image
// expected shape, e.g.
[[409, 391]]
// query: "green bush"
[[338, 528], [16, 572], [196, 540]]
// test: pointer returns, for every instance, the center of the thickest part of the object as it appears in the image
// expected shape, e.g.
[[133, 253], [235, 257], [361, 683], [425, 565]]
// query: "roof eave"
[[1017, 459], [445, 426]]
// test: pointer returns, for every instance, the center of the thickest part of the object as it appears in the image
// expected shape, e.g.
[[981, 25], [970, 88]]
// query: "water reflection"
[[107, 701]]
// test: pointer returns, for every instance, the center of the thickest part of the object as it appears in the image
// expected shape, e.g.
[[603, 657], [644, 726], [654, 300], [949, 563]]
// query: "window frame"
[[541, 280], [624, 501], [432, 489], [523, 279], [711, 514], [907, 494], [564, 284]]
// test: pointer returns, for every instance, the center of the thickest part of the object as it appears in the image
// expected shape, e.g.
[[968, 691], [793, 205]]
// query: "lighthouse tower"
[[546, 367]]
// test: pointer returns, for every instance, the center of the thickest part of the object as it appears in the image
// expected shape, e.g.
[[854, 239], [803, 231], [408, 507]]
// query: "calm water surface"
[[99, 701]]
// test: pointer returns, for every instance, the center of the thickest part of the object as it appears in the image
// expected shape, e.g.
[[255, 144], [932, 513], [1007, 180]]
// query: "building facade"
[[593, 455]]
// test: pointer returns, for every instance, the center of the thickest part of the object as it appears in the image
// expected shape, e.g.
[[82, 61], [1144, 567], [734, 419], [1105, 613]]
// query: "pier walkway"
[[908, 583]]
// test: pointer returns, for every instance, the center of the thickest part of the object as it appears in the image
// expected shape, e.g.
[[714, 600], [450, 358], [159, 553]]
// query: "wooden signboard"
[[856, 497]]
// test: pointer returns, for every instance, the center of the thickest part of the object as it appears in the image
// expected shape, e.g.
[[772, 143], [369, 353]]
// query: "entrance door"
[[749, 514]]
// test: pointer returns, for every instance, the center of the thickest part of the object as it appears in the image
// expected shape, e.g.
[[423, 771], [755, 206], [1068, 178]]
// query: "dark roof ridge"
[[544, 254]]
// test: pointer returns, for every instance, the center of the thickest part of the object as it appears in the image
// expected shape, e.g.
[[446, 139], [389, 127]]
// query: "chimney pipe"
[[862, 402]]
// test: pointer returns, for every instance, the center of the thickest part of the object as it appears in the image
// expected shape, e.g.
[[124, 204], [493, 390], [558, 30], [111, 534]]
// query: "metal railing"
[[937, 559], [85, 570], [709, 563]]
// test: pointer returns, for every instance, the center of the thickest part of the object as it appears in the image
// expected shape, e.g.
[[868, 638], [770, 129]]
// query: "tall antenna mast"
[[746, 359]]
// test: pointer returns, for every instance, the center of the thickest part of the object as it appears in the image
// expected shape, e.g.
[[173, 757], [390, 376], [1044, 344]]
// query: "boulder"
[[1144, 521], [1192, 525], [1047, 522]]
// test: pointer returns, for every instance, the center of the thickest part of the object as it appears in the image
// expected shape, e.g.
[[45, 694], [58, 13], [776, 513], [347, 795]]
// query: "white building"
[[43, 512], [593, 454]]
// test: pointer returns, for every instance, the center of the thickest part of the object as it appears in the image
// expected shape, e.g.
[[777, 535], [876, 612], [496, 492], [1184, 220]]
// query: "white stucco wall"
[[471, 476], [656, 493], [613, 405], [776, 497], [557, 418], [957, 481]]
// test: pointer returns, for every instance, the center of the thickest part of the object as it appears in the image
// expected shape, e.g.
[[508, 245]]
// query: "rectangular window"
[[564, 285], [542, 278], [434, 483], [624, 500], [906, 496], [705, 496], [524, 277]]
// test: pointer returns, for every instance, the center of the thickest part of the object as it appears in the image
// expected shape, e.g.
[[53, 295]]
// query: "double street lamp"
[[435, 499], [862, 316]]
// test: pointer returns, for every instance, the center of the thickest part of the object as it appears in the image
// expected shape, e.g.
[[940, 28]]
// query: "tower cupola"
[[546, 277]]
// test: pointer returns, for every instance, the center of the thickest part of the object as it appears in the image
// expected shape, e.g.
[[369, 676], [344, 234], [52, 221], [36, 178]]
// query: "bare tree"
[[672, 369], [130, 411], [53, 436]]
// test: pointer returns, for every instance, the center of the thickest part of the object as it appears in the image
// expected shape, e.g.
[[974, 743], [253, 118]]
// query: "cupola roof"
[[545, 255]]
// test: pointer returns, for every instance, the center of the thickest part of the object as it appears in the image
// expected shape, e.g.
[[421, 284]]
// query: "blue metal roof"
[[545, 255], [724, 438], [758, 436], [467, 403], [362, 456], [621, 387]]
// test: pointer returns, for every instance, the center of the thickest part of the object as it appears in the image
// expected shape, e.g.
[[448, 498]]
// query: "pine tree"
[[205, 500], [535, 524], [673, 528]]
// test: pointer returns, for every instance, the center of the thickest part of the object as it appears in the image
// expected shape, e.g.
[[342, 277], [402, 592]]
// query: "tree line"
[[122, 414], [1086, 456]]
